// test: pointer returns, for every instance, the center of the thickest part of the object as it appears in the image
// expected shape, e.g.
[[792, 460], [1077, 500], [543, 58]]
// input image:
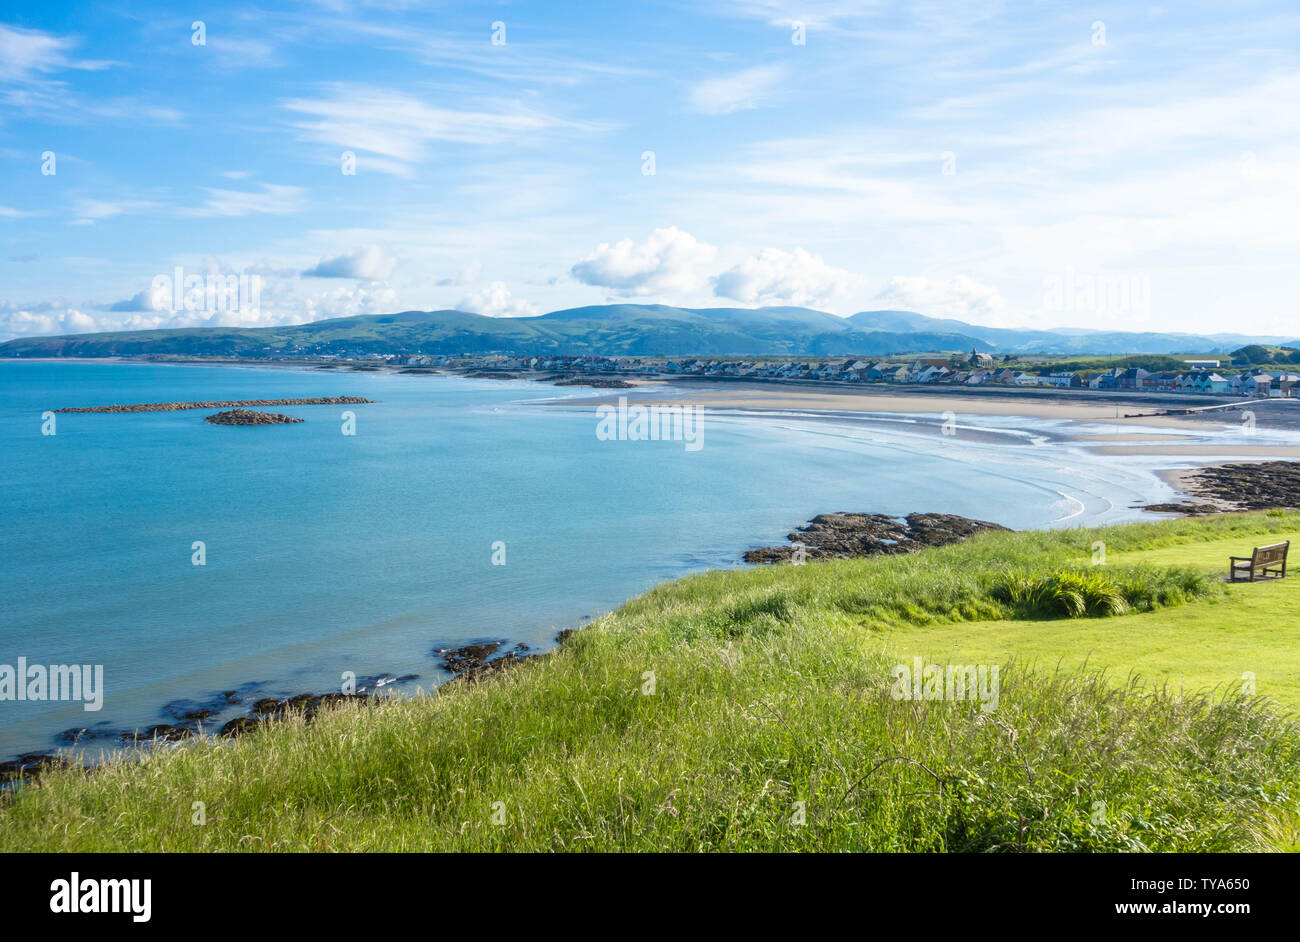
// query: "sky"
[[1118, 166]]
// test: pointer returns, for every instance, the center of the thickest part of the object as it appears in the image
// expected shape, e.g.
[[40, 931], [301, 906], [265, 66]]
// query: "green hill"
[[615, 330]]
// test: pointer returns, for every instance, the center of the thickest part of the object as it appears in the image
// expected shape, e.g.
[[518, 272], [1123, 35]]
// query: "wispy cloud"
[[735, 92], [817, 14], [272, 199], [28, 54], [89, 211], [402, 127]]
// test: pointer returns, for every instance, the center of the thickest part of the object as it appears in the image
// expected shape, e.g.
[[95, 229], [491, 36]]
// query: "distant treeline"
[[1153, 363]]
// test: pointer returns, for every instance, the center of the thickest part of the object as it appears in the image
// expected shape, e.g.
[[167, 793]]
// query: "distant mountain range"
[[625, 330]]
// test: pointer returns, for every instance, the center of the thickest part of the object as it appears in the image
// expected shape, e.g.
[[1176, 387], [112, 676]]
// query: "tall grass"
[[1076, 593], [742, 710]]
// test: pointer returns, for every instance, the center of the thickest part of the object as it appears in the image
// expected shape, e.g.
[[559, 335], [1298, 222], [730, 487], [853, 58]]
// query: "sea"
[[189, 559]]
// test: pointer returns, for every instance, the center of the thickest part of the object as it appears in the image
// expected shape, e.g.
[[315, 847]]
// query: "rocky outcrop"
[[226, 404], [1261, 485], [308, 705], [849, 535], [472, 662], [249, 417], [163, 732], [596, 383], [1188, 507], [29, 765]]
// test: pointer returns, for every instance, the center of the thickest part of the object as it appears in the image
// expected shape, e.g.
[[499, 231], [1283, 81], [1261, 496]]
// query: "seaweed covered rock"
[[851, 535]]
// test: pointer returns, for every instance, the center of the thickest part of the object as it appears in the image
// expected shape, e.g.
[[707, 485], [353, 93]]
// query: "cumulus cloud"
[[369, 263], [735, 92], [36, 320], [665, 263], [776, 277], [495, 301], [281, 299], [156, 298], [344, 302], [960, 297]]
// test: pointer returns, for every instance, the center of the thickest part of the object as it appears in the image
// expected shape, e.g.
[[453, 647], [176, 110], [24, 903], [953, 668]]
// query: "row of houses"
[[976, 370], [1255, 383]]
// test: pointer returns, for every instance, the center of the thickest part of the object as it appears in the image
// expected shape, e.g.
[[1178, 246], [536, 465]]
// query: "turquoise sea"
[[328, 552]]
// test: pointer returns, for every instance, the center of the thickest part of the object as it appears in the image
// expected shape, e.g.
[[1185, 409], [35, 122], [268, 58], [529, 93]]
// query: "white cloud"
[[819, 14], [961, 297], [369, 263], [495, 301], [665, 263], [240, 54], [400, 127], [346, 301], [157, 298], [274, 199], [26, 52], [776, 277], [734, 92], [36, 320], [281, 300], [89, 211]]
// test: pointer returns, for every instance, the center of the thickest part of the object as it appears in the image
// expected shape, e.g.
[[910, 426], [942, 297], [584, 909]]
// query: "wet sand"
[[1185, 436]]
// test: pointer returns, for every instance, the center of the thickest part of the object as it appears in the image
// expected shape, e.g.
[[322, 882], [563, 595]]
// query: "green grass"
[[771, 724], [1247, 631]]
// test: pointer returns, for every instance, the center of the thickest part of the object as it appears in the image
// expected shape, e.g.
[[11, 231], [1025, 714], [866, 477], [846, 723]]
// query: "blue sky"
[[962, 159]]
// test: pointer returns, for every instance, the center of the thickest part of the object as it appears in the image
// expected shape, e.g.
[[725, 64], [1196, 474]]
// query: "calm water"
[[328, 553]]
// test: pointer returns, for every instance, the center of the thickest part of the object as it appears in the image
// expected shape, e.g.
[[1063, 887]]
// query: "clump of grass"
[[1078, 593], [1061, 594], [1148, 589]]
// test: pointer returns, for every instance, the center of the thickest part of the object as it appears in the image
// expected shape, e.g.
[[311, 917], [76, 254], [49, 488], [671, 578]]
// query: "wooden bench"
[[1268, 561]]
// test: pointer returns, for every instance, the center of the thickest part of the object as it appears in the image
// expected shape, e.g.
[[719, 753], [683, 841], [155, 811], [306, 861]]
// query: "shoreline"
[[1079, 419]]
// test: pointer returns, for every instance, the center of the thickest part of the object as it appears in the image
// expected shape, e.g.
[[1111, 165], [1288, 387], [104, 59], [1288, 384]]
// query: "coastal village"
[[1208, 376]]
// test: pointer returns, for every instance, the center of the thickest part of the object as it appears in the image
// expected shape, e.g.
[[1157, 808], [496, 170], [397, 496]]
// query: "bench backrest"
[[1267, 555]]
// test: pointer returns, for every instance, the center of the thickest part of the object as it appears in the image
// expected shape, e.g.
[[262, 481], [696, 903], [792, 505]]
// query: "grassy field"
[[756, 710], [1248, 630]]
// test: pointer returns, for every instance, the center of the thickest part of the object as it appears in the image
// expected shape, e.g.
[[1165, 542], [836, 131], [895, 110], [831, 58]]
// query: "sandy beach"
[[1187, 435], [1072, 420]]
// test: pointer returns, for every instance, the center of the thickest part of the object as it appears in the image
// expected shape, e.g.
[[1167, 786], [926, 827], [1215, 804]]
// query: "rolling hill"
[[1066, 340], [620, 330]]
